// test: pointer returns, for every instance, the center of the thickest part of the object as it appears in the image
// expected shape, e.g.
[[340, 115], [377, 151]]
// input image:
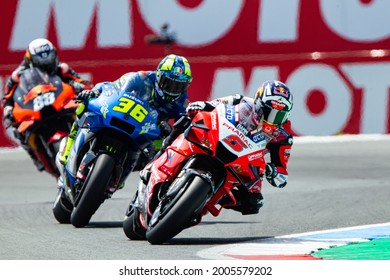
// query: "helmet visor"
[[172, 87], [47, 61], [274, 116]]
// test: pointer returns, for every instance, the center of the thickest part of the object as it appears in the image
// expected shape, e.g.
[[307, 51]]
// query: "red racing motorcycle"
[[44, 111], [192, 175]]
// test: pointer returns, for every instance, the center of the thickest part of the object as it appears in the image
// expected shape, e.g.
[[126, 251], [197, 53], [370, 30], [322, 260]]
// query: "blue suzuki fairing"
[[116, 122], [125, 112]]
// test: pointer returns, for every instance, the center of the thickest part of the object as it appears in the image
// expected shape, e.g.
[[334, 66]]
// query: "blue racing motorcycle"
[[115, 131]]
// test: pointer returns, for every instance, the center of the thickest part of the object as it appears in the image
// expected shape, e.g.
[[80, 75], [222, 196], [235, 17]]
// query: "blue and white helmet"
[[173, 76], [276, 101]]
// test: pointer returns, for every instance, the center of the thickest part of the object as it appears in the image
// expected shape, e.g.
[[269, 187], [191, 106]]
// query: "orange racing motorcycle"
[[44, 110]]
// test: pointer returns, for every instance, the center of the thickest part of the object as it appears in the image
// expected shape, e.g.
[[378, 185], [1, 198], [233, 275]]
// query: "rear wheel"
[[92, 194], [175, 214]]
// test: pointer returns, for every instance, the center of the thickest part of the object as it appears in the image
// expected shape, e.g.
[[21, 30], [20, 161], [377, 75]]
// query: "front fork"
[[64, 181]]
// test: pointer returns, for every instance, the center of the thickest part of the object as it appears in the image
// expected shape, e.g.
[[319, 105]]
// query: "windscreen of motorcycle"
[[35, 91], [234, 138]]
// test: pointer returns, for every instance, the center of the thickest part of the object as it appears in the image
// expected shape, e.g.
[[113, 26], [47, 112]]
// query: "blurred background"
[[334, 55]]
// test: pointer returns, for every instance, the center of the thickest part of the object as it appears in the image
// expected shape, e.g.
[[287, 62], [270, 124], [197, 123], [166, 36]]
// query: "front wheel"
[[175, 214], [62, 208], [132, 227], [93, 191]]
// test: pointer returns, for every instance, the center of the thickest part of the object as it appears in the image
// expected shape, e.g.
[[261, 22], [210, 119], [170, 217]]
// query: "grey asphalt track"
[[331, 185]]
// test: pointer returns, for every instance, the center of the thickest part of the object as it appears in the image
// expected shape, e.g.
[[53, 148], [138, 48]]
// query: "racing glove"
[[78, 87], [194, 107], [274, 177], [165, 129], [87, 94]]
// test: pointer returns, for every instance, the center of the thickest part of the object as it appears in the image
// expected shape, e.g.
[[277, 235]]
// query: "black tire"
[[132, 228], [180, 210], [62, 208], [93, 194]]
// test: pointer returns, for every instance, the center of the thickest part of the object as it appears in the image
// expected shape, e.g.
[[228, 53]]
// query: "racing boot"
[[121, 186], [38, 164], [252, 203], [178, 127], [63, 155], [145, 157], [248, 203]]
